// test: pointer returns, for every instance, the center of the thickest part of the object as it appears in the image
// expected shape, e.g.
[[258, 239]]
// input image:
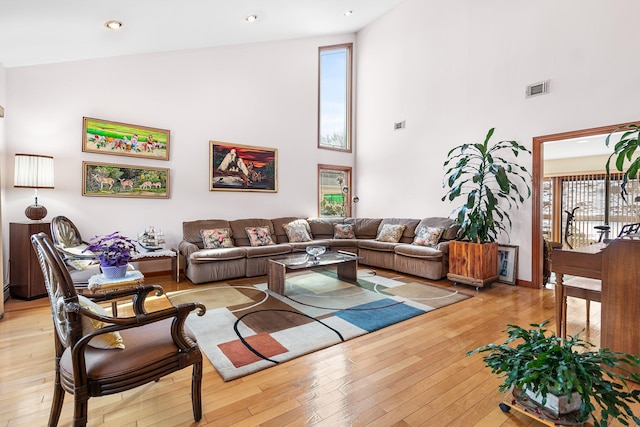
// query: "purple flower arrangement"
[[113, 249]]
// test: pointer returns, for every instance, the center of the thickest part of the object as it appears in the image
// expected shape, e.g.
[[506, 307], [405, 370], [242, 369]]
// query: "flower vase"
[[114, 271]]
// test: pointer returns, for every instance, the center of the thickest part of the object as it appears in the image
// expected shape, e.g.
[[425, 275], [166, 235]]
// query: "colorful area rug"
[[247, 328]]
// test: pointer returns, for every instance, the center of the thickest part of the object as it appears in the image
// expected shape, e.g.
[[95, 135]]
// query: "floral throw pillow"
[[259, 236], [428, 236], [297, 231], [217, 238], [343, 231], [391, 233]]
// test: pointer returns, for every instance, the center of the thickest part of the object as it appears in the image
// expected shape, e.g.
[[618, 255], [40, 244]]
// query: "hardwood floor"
[[414, 373]]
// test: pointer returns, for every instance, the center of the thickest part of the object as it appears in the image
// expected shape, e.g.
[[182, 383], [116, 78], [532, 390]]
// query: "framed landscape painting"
[[109, 180], [235, 167], [122, 139], [507, 263]]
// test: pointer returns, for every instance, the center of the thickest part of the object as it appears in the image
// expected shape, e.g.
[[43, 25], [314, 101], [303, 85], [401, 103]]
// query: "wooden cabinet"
[[25, 275]]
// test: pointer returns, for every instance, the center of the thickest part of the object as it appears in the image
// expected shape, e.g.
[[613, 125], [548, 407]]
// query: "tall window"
[[334, 97], [334, 191]]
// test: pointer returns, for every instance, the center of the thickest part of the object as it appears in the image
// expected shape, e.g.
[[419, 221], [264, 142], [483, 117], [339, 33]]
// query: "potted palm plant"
[[114, 253], [546, 367], [491, 185]]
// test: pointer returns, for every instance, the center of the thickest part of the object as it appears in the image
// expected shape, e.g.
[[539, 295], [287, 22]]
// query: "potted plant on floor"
[[568, 369], [114, 253], [491, 185]]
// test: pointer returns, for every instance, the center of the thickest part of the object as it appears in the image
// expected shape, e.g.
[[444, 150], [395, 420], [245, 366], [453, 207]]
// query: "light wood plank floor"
[[411, 374]]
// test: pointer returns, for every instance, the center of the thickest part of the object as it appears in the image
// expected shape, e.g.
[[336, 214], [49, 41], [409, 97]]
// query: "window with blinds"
[[573, 205]]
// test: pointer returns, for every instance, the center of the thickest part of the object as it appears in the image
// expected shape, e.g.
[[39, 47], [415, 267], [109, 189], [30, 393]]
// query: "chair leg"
[[588, 310], [58, 398], [80, 407], [196, 390]]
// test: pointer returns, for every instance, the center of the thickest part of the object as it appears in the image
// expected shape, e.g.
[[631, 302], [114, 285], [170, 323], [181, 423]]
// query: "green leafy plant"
[[490, 185], [624, 151], [543, 362]]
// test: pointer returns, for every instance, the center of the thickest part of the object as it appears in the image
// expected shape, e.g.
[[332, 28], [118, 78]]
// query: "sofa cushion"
[[390, 233], [409, 231], [416, 251], [298, 231], [191, 229], [427, 236], [238, 227], [269, 250], [259, 236], [376, 245], [343, 231], [217, 238], [365, 228], [219, 254], [450, 229]]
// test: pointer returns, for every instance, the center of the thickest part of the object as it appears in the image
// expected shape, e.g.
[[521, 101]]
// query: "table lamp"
[[34, 171]]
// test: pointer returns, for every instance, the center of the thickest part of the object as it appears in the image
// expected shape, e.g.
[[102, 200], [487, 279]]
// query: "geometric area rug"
[[248, 328]]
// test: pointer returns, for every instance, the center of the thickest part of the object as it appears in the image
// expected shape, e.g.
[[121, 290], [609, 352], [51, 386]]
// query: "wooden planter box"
[[473, 263]]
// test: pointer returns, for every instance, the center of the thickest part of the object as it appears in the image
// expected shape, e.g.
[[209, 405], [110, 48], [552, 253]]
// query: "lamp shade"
[[33, 171]]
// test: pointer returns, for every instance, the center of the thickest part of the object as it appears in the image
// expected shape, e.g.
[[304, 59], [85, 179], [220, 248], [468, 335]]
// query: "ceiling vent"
[[538, 89]]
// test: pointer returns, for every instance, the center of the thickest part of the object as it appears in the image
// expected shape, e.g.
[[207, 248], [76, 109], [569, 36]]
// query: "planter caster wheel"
[[504, 407]]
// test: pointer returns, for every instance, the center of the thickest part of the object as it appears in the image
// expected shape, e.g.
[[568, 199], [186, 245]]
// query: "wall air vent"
[[538, 89]]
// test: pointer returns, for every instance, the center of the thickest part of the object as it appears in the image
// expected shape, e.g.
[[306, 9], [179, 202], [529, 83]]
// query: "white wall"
[[3, 271], [259, 94], [455, 69]]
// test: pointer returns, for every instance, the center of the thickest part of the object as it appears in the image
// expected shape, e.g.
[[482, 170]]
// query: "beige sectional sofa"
[[243, 260]]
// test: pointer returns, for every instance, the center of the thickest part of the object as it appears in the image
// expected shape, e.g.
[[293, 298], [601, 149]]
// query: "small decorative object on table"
[[151, 239], [316, 251], [114, 252]]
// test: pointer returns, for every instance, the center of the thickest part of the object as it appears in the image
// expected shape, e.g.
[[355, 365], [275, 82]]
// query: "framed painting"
[[507, 263], [235, 167], [109, 180], [122, 139]]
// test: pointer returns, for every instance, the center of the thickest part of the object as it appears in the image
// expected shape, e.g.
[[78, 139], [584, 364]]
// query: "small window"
[[334, 97], [334, 190]]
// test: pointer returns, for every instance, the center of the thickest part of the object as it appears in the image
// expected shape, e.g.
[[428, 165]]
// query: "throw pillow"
[[217, 238], [297, 232], [428, 236], [391, 233], [259, 236], [104, 341], [343, 231]]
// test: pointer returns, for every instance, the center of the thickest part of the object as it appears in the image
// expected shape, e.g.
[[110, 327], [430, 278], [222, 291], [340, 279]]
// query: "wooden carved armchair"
[[97, 355]]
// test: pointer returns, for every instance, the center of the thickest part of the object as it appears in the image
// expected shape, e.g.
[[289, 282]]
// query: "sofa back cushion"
[[191, 229], [238, 227], [450, 229], [365, 228], [279, 230], [409, 231], [322, 228]]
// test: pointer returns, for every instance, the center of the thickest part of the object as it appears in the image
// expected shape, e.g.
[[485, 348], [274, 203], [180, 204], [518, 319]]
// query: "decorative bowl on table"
[[315, 251]]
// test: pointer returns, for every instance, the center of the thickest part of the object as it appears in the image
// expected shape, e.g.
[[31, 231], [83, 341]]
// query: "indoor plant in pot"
[[491, 185], [543, 363], [114, 253], [623, 151]]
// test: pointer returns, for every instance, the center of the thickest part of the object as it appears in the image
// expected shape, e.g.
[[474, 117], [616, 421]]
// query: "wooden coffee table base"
[[277, 272]]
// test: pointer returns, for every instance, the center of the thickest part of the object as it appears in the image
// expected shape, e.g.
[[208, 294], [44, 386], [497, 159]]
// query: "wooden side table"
[[169, 254], [98, 283], [25, 275]]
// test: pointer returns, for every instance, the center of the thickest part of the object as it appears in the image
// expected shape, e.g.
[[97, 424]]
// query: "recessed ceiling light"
[[251, 18], [348, 13], [113, 25]]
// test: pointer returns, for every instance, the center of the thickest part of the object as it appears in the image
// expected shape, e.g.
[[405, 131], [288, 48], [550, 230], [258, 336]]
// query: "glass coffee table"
[[345, 262]]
